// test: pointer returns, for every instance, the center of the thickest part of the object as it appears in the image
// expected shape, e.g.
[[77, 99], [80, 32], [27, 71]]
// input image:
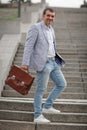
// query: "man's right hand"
[[24, 67]]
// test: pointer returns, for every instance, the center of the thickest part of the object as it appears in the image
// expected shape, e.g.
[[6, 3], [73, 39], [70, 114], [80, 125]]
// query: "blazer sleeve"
[[30, 42]]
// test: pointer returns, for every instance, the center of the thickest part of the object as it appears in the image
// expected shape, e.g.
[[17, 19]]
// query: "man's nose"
[[50, 17]]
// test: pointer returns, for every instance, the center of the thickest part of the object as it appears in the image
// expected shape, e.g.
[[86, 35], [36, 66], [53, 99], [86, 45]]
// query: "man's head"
[[48, 16]]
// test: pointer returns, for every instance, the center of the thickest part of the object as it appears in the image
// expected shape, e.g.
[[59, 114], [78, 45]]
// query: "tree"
[[84, 5]]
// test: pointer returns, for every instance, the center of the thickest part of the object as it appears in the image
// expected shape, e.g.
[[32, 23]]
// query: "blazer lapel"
[[44, 31]]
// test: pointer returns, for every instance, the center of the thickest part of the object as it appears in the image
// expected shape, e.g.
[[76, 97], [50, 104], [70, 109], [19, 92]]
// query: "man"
[[39, 54]]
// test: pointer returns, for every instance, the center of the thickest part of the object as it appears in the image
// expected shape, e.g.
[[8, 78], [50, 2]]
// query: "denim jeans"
[[53, 71]]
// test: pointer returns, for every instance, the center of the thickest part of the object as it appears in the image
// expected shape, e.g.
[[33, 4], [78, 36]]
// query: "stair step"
[[68, 60], [25, 125], [18, 61], [66, 56], [28, 105], [49, 88], [66, 95], [28, 116], [17, 125], [62, 126]]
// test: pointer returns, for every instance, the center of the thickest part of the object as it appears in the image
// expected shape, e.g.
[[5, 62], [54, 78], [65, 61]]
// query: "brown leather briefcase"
[[19, 80]]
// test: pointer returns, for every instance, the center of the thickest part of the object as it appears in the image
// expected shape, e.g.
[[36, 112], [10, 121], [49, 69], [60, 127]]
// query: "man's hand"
[[24, 67]]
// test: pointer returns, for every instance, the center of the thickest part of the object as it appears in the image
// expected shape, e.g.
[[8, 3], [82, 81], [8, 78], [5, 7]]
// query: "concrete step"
[[63, 34], [83, 65], [69, 45], [64, 47], [66, 55], [70, 63], [70, 60], [25, 125], [18, 60], [71, 40], [69, 69], [84, 74], [74, 74], [24, 104], [64, 95], [67, 49], [62, 126], [17, 125], [71, 73], [28, 116], [70, 80], [49, 88], [63, 37], [61, 45], [63, 50], [74, 60], [70, 85], [66, 74], [76, 68]]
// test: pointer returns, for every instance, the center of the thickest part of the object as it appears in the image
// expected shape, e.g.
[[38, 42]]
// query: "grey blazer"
[[36, 47]]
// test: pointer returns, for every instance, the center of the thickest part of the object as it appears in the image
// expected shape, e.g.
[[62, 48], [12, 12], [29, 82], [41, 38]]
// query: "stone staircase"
[[16, 111], [17, 114]]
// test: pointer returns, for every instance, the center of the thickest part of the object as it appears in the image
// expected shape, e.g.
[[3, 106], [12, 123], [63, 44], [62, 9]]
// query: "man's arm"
[[30, 42]]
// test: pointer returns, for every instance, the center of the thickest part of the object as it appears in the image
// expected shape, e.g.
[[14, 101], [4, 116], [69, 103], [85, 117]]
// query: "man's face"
[[48, 17]]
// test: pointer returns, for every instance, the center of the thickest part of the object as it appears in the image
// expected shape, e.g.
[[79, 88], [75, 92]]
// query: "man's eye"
[[50, 16]]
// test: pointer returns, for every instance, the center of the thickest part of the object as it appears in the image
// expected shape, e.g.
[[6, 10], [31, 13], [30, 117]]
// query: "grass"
[[8, 14]]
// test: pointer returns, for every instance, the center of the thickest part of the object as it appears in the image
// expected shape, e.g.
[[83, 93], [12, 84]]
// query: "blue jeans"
[[53, 71]]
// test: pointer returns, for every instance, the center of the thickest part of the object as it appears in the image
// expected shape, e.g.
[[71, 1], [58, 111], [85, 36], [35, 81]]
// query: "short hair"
[[46, 9]]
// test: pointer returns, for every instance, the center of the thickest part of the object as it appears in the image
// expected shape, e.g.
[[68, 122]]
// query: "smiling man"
[[48, 17], [39, 55]]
